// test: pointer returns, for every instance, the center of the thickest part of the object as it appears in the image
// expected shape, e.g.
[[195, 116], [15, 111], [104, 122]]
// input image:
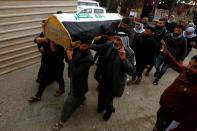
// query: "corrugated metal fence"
[[20, 22]]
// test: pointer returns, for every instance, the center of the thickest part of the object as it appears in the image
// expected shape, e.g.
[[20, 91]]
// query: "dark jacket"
[[46, 68], [177, 47], [57, 60], [189, 46], [135, 38], [158, 36], [170, 26], [159, 33], [114, 70], [99, 53], [180, 99], [144, 49], [78, 70]]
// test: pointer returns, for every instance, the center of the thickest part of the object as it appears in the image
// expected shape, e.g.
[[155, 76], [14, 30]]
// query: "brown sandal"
[[57, 126], [59, 92], [34, 99]]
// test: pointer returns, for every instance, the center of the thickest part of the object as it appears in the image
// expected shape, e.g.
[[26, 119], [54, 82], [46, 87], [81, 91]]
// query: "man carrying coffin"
[[79, 60]]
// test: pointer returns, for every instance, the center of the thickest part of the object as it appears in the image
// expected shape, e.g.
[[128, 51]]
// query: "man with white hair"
[[191, 39], [116, 63]]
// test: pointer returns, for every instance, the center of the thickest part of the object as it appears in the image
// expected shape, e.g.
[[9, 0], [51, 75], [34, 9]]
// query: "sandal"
[[57, 126], [59, 92], [139, 79], [34, 99], [130, 82]]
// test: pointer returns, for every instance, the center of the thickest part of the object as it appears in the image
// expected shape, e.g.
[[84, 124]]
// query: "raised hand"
[[122, 54], [164, 47]]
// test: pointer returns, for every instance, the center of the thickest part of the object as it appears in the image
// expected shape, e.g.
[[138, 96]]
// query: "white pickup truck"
[[90, 12]]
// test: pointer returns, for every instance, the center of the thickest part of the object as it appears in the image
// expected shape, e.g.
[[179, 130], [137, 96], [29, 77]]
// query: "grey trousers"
[[71, 104]]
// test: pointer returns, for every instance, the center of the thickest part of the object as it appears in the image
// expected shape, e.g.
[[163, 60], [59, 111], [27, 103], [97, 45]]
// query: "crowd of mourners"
[[123, 55]]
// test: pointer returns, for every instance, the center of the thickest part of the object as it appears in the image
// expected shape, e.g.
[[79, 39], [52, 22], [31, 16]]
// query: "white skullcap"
[[190, 29]]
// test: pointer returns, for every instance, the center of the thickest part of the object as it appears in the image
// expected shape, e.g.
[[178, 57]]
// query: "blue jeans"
[[161, 66]]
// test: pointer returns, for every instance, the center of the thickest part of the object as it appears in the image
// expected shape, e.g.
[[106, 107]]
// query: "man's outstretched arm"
[[171, 60]]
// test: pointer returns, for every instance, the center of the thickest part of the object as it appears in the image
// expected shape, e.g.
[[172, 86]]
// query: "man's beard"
[[146, 36], [159, 27], [82, 50], [120, 29], [191, 77], [116, 48], [176, 34]]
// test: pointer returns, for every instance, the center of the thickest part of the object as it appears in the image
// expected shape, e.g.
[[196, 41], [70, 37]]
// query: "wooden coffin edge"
[[53, 27]]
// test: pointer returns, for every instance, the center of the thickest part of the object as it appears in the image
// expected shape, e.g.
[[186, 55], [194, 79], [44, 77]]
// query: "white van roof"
[[88, 3]]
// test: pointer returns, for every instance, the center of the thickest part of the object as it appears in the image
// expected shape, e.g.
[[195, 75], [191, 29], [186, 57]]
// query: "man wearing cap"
[[79, 60], [191, 39], [116, 63]]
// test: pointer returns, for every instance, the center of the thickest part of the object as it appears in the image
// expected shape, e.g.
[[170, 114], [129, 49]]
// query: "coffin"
[[65, 29]]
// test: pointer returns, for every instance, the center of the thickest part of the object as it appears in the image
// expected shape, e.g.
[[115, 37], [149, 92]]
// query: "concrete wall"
[[20, 22]]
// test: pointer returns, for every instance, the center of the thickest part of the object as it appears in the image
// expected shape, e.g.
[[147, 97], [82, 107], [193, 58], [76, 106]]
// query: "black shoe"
[[107, 115], [97, 88], [83, 101], [156, 73], [155, 82], [100, 110], [146, 74], [38, 80]]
